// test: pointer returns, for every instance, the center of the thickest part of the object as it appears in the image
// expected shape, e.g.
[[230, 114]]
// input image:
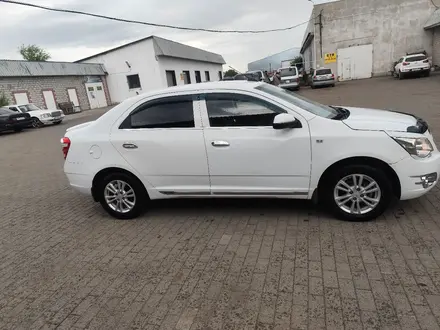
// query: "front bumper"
[[417, 176], [51, 120]]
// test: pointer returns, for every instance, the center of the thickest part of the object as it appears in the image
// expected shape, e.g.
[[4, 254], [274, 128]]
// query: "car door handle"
[[220, 144], [129, 146]]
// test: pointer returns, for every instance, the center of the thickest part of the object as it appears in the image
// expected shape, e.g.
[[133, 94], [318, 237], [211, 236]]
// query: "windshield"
[[323, 71], [288, 72], [301, 102], [28, 107]]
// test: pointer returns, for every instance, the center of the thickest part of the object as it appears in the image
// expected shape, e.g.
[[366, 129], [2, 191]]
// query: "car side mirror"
[[286, 120]]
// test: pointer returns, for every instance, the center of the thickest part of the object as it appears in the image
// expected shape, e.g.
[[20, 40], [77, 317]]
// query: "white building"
[[154, 63], [363, 38]]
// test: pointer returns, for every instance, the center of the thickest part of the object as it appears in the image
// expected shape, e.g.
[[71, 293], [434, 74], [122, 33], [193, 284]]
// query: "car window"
[[415, 58], [240, 77], [5, 111], [171, 112], [23, 108], [401, 60], [323, 71], [236, 110], [13, 109], [288, 72], [28, 107], [299, 101]]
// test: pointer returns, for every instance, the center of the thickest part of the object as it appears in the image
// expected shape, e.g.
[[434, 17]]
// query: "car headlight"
[[420, 147], [45, 115]]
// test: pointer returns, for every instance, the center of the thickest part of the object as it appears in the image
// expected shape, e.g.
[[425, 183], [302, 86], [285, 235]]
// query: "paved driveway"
[[214, 264]]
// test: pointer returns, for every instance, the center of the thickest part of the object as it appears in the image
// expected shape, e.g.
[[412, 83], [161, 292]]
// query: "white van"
[[289, 78]]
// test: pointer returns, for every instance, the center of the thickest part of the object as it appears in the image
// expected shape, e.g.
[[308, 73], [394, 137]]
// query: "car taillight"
[[333, 75], [426, 61], [405, 63], [314, 77], [65, 144]]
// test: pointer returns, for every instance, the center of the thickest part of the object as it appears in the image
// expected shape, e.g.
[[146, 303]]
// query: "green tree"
[[298, 62], [3, 100], [230, 73], [34, 53]]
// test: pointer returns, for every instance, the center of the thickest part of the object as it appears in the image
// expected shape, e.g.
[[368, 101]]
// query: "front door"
[[246, 155], [163, 140], [96, 95], [49, 99]]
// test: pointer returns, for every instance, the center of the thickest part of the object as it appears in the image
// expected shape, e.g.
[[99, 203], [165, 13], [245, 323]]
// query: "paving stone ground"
[[223, 264]]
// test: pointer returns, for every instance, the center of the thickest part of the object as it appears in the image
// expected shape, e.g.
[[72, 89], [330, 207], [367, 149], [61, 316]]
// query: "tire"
[[427, 73], [333, 85], [371, 175], [36, 122], [18, 130], [401, 75], [57, 122], [125, 182]]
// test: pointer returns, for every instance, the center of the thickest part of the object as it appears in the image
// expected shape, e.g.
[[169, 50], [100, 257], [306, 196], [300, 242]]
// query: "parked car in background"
[[13, 121], [289, 78], [247, 76], [39, 116], [322, 77], [227, 78], [262, 76], [249, 139], [416, 64]]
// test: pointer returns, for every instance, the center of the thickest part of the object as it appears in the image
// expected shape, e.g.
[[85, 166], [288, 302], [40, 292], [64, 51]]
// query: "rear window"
[[323, 71], [5, 111], [415, 58], [288, 72]]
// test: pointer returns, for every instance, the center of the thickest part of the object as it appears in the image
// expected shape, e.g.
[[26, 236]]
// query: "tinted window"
[[288, 72], [232, 110], [168, 113], [415, 58], [299, 101], [323, 71]]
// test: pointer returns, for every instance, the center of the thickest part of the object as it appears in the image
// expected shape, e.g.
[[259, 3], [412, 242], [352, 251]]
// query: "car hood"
[[383, 120]]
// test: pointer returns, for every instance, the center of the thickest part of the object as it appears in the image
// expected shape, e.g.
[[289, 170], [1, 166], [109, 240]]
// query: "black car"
[[13, 121]]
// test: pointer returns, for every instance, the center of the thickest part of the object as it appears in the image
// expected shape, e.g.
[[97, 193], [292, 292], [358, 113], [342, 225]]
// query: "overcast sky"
[[70, 37]]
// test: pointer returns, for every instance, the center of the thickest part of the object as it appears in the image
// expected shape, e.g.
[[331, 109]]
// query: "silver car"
[[289, 78], [322, 77]]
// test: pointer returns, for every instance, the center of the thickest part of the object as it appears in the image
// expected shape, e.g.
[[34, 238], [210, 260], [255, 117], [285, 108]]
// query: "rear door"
[[163, 140]]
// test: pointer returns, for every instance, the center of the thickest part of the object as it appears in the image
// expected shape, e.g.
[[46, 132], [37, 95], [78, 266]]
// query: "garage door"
[[355, 62]]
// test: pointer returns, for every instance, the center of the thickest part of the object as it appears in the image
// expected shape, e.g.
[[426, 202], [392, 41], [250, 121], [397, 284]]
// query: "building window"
[[133, 81], [220, 75], [171, 112], [171, 78], [186, 77], [207, 77], [198, 77]]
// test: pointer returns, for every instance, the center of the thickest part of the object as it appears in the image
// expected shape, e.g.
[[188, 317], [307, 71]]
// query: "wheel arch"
[[371, 161], [109, 170]]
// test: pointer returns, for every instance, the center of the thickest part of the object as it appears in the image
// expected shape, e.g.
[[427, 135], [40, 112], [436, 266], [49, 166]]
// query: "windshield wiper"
[[342, 113]]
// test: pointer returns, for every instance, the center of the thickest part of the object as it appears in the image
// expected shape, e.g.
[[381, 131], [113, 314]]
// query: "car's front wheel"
[[122, 195], [36, 122], [357, 192]]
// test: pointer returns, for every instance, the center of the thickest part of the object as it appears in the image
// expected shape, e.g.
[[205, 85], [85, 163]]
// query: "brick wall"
[[436, 47], [34, 86]]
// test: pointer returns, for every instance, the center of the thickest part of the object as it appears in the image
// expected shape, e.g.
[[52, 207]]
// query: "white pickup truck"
[[39, 116]]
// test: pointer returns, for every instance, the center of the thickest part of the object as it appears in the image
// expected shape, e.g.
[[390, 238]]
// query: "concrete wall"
[[34, 87], [142, 60], [436, 46], [393, 27], [180, 65]]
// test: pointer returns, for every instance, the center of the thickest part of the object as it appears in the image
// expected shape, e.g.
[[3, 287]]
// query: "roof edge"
[[307, 42]]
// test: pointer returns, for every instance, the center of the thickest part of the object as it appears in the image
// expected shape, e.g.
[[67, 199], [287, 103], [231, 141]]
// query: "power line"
[[432, 1], [149, 23]]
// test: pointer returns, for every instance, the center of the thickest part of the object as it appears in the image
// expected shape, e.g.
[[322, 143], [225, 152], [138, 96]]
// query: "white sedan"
[[249, 139], [39, 116]]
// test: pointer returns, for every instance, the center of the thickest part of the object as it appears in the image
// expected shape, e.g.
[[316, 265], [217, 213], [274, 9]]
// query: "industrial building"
[[154, 63], [363, 38], [275, 61], [47, 84]]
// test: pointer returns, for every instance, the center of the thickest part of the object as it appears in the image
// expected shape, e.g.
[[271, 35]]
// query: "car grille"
[[56, 113]]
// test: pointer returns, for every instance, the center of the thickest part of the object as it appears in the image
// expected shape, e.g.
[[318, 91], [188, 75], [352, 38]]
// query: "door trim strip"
[[235, 193]]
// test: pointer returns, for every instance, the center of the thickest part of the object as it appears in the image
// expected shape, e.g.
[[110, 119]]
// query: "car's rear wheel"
[[357, 192], [122, 195], [401, 75]]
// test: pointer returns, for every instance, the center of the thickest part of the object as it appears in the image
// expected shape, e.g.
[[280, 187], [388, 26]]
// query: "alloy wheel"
[[357, 194], [35, 123], [120, 196]]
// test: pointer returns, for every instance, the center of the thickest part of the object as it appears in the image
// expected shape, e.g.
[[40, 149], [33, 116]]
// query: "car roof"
[[413, 55]]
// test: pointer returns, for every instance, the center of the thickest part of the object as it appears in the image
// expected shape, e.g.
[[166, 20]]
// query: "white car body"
[[260, 161], [417, 63], [46, 117]]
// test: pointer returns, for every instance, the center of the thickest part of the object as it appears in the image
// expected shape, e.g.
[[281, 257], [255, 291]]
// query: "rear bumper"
[[415, 70], [289, 85], [323, 82], [81, 183], [416, 176]]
